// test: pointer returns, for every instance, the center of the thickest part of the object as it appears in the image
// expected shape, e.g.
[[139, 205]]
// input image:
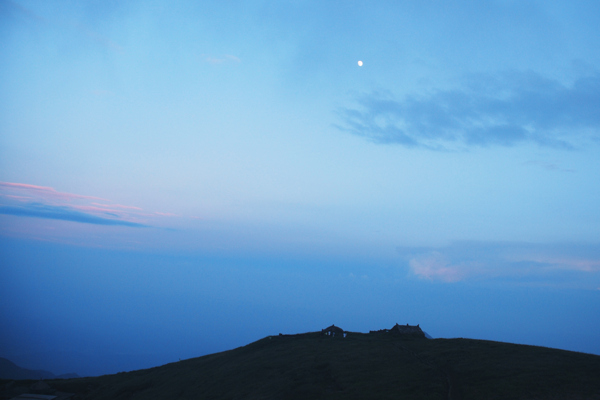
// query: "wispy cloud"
[[220, 59], [44, 191], [98, 38], [26, 200], [435, 266], [163, 214], [501, 110], [561, 264], [104, 210], [72, 26], [118, 206], [63, 213], [568, 262], [14, 7], [548, 165]]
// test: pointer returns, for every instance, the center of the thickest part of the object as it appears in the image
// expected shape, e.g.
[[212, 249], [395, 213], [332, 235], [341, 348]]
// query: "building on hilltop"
[[333, 331], [412, 330], [408, 330]]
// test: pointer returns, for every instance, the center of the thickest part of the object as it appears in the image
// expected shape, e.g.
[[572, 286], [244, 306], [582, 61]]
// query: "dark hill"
[[9, 370], [359, 366]]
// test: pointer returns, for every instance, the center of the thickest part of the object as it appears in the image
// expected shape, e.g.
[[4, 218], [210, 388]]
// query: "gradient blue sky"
[[179, 178]]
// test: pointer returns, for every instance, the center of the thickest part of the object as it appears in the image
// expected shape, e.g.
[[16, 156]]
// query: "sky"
[[179, 178]]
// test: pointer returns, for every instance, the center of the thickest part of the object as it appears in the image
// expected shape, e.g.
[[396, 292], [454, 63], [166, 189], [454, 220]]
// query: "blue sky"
[[184, 168]]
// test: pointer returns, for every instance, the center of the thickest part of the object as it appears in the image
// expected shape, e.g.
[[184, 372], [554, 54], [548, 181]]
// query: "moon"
[[360, 63]]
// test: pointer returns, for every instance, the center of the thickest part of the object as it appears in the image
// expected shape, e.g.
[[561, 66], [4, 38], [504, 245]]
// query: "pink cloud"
[[22, 199], [166, 214], [44, 191], [19, 198], [48, 196], [435, 267], [118, 206], [26, 186]]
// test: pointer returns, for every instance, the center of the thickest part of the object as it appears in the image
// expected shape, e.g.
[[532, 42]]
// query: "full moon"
[[360, 63]]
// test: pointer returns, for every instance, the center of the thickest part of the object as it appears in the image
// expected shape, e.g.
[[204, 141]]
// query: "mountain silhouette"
[[9, 370], [378, 365]]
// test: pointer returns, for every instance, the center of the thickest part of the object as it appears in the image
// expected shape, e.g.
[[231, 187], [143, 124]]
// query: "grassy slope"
[[359, 366]]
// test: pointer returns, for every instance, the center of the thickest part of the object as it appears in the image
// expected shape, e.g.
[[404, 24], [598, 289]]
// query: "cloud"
[[503, 110], [548, 165], [43, 191], [567, 264], [103, 210], [71, 26], [96, 37], [14, 8], [26, 200], [162, 214], [63, 213], [434, 266], [220, 59], [118, 206]]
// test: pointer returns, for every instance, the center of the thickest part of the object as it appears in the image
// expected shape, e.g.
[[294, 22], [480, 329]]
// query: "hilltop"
[[379, 365]]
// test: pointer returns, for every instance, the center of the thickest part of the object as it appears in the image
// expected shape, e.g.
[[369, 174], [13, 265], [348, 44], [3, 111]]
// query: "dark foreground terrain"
[[359, 366]]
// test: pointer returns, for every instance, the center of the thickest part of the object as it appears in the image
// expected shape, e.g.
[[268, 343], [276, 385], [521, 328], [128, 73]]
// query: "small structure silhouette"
[[333, 331], [407, 330], [404, 330]]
